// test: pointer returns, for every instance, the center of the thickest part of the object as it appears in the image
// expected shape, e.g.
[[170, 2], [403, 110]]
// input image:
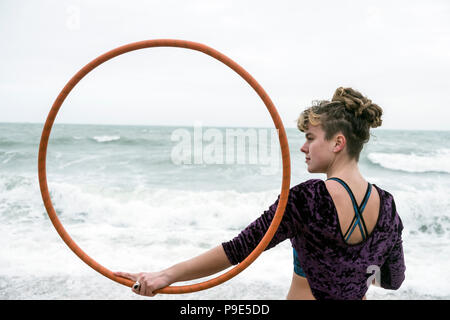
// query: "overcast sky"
[[397, 53]]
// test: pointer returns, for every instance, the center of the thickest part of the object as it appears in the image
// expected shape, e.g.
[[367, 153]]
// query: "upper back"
[[346, 211], [324, 208]]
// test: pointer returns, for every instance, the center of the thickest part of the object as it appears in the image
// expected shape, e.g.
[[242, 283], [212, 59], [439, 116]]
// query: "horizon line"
[[185, 125]]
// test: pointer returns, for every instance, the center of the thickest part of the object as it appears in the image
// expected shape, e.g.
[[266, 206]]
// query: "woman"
[[341, 229]]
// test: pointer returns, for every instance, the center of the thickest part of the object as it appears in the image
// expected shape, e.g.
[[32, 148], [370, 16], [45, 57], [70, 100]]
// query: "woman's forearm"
[[204, 265]]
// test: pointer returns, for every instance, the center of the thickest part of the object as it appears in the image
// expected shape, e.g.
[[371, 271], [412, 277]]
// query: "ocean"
[[142, 198]]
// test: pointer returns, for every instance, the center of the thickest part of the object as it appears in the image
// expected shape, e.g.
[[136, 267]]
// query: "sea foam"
[[106, 138], [436, 161]]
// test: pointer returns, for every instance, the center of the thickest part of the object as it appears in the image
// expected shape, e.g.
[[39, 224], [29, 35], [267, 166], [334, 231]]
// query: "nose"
[[304, 149]]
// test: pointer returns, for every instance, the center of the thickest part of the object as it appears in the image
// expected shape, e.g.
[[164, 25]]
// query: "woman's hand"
[[149, 281], [204, 265]]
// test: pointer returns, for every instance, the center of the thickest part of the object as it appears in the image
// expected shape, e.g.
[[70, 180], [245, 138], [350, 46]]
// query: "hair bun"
[[359, 105]]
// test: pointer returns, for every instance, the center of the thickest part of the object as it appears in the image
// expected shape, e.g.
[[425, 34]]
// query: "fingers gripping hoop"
[[239, 70]]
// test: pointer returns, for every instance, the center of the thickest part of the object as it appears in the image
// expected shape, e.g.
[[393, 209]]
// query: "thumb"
[[131, 276]]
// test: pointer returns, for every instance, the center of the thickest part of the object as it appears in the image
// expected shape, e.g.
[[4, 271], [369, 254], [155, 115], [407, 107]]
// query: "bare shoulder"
[[334, 188], [358, 188]]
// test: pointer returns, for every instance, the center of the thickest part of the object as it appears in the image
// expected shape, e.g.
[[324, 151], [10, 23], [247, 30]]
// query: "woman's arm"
[[393, 270], [228, 253], [206, 264]]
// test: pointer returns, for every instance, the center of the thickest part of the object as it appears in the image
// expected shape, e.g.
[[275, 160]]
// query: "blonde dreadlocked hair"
[[348, 112]]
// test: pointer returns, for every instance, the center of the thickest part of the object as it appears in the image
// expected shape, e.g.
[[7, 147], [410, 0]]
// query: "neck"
[[345, 169]]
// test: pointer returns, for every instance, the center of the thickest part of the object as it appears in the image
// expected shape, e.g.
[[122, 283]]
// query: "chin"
[[312, 170]]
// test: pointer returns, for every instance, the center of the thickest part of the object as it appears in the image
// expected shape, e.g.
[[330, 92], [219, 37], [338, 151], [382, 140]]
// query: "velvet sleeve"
[[393, 270], [242, 245]]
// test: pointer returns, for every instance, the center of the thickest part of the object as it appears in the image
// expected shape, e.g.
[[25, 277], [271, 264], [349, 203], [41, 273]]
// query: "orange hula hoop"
[[247, 77]]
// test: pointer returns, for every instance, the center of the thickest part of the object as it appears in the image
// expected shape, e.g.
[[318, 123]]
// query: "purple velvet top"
[[334, 269]]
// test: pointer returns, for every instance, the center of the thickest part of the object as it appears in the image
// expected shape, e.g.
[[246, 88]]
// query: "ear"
[[339, 142]]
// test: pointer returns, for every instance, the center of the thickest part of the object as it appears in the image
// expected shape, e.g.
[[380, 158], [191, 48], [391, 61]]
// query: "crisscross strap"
[[357, 219]]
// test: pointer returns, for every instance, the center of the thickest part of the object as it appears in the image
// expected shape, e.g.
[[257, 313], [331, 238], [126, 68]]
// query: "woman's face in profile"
[[318, 152]]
